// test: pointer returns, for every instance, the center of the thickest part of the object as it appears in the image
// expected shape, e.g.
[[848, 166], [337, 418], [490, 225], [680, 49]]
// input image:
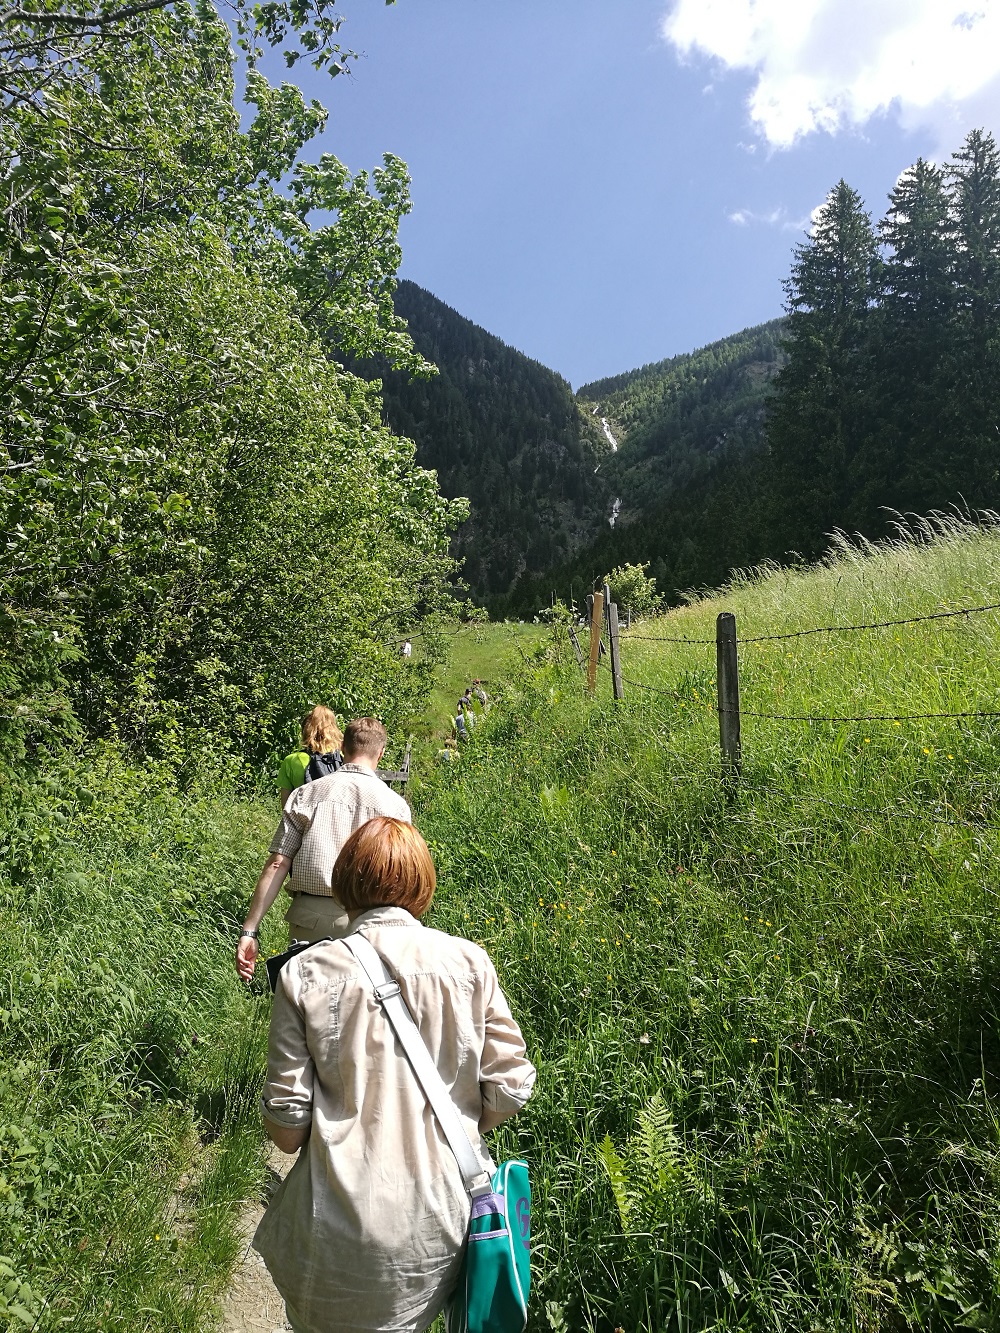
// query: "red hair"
[[385, 863]]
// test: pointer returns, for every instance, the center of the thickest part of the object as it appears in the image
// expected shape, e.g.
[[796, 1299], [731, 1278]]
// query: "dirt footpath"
[[252, 1305]]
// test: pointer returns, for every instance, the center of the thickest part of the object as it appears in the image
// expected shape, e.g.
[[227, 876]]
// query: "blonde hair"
[[320, 733], [384, 863]]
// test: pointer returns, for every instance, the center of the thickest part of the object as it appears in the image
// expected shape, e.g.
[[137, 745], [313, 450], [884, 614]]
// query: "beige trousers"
[[311, 917]]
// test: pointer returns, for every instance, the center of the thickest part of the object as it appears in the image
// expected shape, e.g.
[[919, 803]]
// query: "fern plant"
[[656, 1181]]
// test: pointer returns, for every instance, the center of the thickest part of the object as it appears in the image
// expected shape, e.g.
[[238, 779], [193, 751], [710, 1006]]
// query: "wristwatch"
[[250, 934]]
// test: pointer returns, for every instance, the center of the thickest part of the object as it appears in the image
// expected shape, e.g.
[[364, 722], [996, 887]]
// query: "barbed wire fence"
[[727, 704]]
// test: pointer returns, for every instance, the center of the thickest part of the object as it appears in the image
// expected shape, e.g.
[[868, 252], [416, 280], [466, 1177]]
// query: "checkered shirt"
[[320, 816]]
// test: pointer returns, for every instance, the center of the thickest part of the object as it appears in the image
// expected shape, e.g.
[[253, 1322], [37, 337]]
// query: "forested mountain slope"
[[504, 431], [676, 419], [688, 430], [879, 394]]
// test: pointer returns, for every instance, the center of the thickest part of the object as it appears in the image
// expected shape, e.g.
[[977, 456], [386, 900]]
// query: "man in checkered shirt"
[[317, 820]]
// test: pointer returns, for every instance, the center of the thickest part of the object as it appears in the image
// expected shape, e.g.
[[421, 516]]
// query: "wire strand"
[[827, 629], [859, 717]]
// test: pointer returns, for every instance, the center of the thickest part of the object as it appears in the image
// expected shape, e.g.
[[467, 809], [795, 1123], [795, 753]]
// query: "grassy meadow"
[[132, 1058], [764, 1013], [494, 652]]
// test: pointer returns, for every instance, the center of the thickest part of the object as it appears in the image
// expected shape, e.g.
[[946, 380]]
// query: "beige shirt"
[[320, 816], [366, 1232]]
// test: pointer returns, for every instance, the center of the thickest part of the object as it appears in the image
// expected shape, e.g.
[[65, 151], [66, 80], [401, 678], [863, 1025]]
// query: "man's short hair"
[[384, 863], [364, 735]]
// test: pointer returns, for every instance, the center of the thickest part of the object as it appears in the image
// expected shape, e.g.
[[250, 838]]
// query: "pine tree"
[[908, 463], [820, 415], [975, 203]]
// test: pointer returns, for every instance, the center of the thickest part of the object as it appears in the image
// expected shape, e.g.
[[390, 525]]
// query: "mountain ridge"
[[506, 432], [563, 486]]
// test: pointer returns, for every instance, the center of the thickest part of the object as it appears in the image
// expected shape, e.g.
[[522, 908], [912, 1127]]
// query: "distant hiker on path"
[[320, 754], [318, 819], [367, 1232], [480, 693], [458, 721], [406, 650], [450, 752]]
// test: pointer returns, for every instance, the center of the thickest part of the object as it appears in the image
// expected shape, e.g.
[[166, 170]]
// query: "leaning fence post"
[[596, 625], [576, 647], [729, 692], [616, 657]]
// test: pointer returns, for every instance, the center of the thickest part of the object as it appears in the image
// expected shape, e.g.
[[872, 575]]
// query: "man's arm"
[[268, 886]]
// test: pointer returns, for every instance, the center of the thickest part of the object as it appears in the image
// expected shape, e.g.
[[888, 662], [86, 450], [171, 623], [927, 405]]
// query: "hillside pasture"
[[491, 651], [764, 1013]]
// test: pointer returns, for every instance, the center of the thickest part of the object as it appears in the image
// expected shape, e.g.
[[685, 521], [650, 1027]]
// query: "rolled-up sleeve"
[[506, 1075], [288, 1093], [288, 835]]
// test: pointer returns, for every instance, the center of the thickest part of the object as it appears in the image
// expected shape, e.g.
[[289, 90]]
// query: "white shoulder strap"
[[475, 1177]]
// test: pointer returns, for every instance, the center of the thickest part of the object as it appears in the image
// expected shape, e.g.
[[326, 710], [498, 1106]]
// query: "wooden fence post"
[[576, 647], [590, 609], [729, 692], [596, 625], [616, 657], [398, 776]]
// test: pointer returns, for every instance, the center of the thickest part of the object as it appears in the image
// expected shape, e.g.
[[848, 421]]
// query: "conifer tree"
[[975, 202], [821, 413], [908, 462]]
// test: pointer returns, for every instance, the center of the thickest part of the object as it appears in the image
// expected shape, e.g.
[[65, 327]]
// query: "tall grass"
[[765, 1015], [491, 651], [132, 1059]]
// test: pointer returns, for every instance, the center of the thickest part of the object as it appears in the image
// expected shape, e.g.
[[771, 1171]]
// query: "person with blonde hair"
[[367, 1231], [320, 754], [316, 821]]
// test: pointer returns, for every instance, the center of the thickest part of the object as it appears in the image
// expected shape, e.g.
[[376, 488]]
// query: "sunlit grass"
[[491, 652], [801, 965], [765, 1014], [129, 1129]]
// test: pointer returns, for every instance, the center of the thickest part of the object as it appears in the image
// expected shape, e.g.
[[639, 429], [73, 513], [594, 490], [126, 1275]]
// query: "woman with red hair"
[[366, 1233]]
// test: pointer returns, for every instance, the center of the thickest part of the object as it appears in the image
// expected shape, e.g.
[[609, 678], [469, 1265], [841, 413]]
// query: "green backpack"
[[491, 1295]]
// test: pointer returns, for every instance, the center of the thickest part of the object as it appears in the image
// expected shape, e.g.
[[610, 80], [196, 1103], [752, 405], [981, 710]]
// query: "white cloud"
[[830, 64], [774, 217]]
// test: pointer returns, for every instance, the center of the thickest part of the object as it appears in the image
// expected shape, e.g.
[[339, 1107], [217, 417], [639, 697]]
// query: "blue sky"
[[603, 185]]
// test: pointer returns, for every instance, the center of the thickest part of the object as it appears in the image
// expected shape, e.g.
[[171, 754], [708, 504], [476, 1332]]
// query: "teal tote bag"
[[491, 1295], [492, 1291]]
